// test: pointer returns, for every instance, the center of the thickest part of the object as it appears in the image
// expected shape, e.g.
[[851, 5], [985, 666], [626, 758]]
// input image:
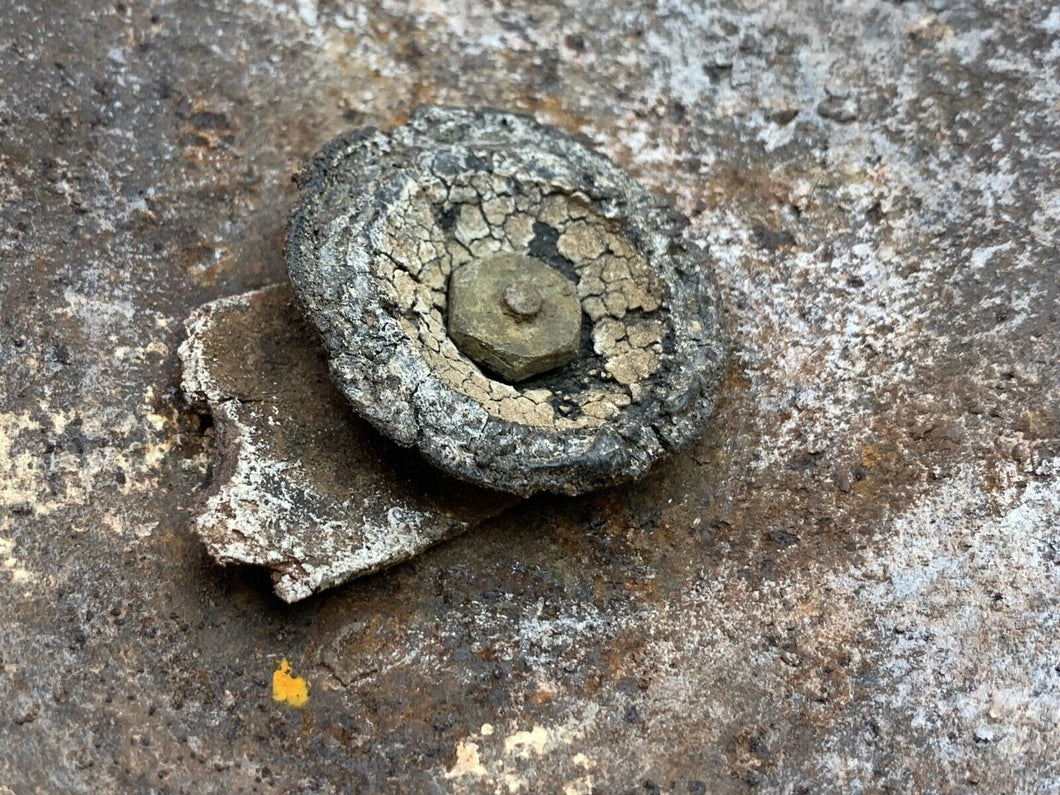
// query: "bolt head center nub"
[[522, 300]]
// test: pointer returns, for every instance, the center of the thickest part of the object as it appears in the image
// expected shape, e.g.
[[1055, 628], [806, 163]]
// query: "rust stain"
[[551, 110]]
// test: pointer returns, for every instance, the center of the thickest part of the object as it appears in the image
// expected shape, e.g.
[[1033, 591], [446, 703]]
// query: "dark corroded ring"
[[388, 218]]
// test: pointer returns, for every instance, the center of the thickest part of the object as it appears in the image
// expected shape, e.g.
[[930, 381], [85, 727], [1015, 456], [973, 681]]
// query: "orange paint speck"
[[288, 689]]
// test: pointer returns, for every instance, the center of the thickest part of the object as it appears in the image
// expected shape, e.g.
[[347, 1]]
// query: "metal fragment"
[[302, 486]]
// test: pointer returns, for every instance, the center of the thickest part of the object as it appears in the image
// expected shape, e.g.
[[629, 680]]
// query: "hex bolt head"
[[514, 315]]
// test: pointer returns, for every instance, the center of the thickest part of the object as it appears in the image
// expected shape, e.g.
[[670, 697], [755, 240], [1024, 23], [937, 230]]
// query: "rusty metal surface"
[[852, 581]]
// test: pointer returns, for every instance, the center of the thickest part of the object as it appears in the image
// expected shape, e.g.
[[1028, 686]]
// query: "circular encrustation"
[[411, 251]]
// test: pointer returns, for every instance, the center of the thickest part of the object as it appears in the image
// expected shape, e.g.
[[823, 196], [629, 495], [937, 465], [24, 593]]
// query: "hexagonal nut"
[[514, 315]]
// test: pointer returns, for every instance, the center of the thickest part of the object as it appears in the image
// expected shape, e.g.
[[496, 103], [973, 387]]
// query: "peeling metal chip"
[[302, 486], [386, 220]]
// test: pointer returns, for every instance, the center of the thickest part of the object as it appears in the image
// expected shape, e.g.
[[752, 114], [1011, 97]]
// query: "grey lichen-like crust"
[[387, 217], [301, 485]]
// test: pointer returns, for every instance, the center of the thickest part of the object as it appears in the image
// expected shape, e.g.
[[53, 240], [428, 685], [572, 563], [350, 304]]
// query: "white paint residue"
[[307, 12], [984, 575], [1052, 22], [9, 564], [467, 761], [524, 743], [99, 318]]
